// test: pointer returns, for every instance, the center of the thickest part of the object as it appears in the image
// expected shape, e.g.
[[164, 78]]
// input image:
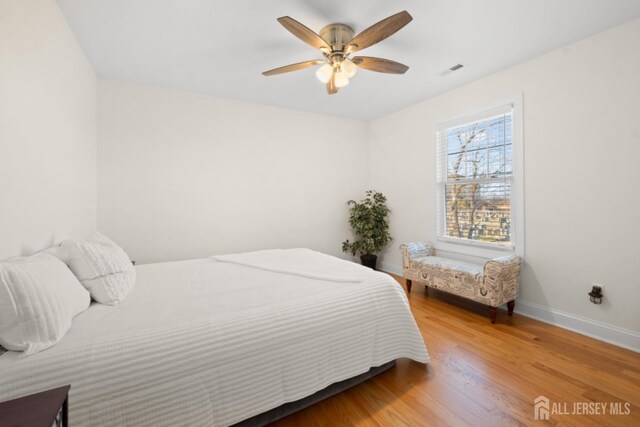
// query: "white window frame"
[[477, 248]]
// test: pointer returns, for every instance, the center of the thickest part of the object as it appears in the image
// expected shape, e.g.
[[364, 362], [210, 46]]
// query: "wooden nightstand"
[[46, 409]]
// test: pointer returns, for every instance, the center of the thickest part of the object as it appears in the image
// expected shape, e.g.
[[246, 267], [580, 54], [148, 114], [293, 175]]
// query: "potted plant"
[[369, 221]]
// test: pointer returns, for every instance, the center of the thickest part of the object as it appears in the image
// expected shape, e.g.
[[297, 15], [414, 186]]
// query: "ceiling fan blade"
[[331, 84], [293, 67], [380, 31], [303, 33], [380, 65]]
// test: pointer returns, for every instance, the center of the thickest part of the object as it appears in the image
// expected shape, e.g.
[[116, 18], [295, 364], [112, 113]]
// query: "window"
[[476, 179]]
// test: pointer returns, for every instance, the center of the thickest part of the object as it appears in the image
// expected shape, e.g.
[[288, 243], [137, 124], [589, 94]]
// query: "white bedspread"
[[300, 262], [208, 343]]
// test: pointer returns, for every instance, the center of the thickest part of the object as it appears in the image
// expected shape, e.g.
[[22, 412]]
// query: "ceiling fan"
[[337, 43]]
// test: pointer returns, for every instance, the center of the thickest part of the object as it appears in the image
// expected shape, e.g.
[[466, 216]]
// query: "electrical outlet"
[[602, 286], [597, 293]]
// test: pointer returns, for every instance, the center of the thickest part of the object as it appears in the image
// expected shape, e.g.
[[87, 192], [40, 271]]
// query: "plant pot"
[[369, 260]]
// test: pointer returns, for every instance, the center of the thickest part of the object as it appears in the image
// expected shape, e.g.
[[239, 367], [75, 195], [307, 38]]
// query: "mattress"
[[210, 343]]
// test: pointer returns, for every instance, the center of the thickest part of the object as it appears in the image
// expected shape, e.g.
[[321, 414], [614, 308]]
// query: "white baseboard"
[[615, 335], [592, 328]]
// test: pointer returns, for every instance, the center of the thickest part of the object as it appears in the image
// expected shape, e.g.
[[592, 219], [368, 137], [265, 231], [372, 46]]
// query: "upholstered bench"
[[492, 284]]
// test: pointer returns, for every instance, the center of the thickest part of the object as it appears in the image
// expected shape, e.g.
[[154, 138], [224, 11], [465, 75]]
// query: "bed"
[[215, 341]]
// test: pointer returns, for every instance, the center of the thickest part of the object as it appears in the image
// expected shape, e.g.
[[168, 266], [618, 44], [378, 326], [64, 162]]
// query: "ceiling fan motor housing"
[[337, 36]]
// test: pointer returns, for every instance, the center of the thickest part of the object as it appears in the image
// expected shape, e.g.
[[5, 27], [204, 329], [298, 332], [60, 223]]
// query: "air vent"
[[456, 67]]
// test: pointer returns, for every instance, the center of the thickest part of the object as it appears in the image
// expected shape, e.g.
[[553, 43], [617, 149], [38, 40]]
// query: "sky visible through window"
[[477, 188]]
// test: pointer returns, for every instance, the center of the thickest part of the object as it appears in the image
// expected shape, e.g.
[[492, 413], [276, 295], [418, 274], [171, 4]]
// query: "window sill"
[[473, 248]]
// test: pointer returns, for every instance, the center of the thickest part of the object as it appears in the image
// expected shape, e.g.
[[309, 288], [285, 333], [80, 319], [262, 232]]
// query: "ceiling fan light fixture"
[[341, 79], [324, 73], [348, 67]]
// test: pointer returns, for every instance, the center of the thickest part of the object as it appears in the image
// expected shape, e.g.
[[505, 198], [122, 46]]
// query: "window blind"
[[475, 174]]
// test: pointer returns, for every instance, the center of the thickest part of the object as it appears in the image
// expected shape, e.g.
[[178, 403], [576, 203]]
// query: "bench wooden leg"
[[493, 313], [510, 306], [408, 285]]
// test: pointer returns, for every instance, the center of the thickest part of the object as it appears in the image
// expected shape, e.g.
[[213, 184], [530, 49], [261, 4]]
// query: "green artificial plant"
[[369, 221]]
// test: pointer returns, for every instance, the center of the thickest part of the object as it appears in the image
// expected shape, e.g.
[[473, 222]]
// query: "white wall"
[[182, 175], [47, 130], [581, 150]]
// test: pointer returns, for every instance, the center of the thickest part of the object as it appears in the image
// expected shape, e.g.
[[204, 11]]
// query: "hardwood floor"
[[487, 375]]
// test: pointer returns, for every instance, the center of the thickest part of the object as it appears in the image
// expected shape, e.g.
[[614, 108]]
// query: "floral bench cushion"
[[453, 265]]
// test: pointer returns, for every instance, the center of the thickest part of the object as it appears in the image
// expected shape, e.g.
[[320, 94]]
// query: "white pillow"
[[39, 296], [102, 267]]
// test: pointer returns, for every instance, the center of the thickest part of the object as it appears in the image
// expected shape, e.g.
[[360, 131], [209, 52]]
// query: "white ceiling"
[[221, 47]]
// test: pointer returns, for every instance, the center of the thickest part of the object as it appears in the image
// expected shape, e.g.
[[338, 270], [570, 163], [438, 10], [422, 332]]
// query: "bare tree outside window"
[[476, 179]]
